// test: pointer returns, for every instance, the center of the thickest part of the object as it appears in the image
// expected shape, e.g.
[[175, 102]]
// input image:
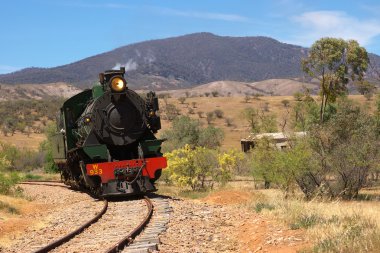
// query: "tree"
[[171, 111], [285, 103], [219, 113], [251, 115], [211, 137], [366, 89], [46, 148], [10, 124], [210, 116], [184, 131], [268, 123], [215, 93], [182, 100], [187, 131], [304, 115], [262, 158], [347, 147], [298, 96], [260, 121], [247, 98], [281, 167], [333, 62], [229, 122]]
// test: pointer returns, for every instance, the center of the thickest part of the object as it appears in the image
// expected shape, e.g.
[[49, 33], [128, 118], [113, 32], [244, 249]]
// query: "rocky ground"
[[217, 223], [54, 213]]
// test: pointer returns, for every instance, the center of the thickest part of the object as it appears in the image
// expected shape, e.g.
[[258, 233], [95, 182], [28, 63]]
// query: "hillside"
[[179, 62], [37, 91], [232, 107], [283, 87]]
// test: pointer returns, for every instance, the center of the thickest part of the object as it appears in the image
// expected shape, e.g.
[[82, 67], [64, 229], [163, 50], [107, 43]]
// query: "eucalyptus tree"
[[334, 62]]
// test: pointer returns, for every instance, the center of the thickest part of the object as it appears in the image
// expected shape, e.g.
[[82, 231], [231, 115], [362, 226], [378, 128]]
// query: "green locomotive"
[[105, 139]]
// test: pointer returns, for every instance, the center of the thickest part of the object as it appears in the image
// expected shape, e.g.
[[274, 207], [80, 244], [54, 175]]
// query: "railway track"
[[46, 183], [115, 227]]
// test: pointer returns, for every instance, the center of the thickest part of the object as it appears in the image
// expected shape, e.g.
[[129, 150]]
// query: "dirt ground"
[[14, 224], [251, 232], [258, 234]]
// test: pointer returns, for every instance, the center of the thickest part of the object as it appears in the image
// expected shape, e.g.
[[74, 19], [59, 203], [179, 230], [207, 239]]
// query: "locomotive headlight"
[[118, 84]]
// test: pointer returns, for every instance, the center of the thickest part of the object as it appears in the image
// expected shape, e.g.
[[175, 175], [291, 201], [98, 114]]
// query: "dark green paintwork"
[[151, 147], [97, 91], [96, 152], [72, 110]]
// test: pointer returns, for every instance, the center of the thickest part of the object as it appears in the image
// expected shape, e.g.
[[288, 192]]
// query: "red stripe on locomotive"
[[106, 170]]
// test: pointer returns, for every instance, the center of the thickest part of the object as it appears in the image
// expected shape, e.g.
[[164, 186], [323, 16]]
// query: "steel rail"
[[46, 183], [42, 181], [135, 232], [71, 235]]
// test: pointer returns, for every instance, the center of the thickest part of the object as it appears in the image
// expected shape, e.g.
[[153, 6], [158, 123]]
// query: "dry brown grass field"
[[21, 140], [231, 107]]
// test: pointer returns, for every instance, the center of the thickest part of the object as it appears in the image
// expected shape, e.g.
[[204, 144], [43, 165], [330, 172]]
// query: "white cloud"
[[4, 69], [203, 15], [317, 24]]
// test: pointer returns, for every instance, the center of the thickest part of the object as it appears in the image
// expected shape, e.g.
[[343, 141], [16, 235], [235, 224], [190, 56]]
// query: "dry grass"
[[22, 141], [338, 226], [349, 226]]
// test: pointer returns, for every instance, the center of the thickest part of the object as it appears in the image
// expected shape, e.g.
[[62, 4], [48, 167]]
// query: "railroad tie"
[[149, 240]]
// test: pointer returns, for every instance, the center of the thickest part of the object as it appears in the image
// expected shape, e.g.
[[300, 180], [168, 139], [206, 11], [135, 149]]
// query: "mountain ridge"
[[179, 62]]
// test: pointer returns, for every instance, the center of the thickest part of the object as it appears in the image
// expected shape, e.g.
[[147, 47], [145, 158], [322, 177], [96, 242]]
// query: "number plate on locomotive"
[[95, 170]]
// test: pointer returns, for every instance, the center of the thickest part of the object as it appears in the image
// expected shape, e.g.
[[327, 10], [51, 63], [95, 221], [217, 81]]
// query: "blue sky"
[[48, 33]]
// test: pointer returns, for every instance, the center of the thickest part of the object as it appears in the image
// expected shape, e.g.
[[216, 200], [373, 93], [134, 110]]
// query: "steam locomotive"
[[105, 139]]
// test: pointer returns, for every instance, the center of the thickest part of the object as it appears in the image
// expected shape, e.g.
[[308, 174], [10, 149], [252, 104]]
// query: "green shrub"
[[46, 148], [14, 159], [261, 206], [29, 176], [8, 182], [198, 168], [305, 221], [186, 130]]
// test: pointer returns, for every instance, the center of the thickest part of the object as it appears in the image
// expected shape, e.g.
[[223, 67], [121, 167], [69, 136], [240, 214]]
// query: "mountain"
[[180, 62]]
